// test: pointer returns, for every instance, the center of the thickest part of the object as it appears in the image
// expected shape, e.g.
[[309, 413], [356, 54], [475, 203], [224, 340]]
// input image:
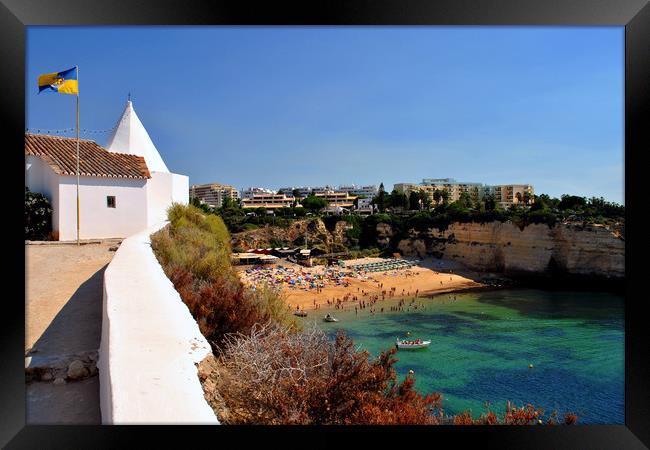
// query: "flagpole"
[[77, 155]]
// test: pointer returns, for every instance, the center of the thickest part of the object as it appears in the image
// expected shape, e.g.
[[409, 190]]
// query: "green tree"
[[490, 202], [464, 200], [573, 202], [228, 203], [414, 201], [397, 199], [195, 201], [380, 198], [314, 203]]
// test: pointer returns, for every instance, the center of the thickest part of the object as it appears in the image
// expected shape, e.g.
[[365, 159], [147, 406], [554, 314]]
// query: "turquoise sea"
[[483, 343]]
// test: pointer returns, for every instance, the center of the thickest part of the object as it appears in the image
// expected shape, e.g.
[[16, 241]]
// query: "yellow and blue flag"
[[62, 82]]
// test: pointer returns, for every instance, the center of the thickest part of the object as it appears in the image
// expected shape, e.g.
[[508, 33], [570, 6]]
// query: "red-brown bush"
[[526, 415], [219, 307], [273, 376]]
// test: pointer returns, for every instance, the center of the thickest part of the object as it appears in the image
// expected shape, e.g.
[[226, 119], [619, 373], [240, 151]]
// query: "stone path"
[[63, 316]]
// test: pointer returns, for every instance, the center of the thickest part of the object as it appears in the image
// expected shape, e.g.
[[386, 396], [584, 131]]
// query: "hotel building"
[[212, 194]]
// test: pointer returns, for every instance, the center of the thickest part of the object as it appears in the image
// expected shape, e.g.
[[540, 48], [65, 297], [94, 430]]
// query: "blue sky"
[[281, 106]]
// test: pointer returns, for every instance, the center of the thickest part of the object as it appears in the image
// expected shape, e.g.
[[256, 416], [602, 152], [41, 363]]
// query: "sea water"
[[483, 343]]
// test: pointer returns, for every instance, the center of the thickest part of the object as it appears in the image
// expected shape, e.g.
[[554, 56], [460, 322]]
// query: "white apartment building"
[[248, 193], [364, 205], [303, 191], [353, 189]]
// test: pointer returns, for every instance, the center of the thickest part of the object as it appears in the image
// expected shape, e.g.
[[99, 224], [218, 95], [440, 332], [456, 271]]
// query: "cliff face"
[[492, 247], [310, 231], [537, 249]]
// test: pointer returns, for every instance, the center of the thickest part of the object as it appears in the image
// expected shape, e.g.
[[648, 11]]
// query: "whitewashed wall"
[[97, 220], [150, 344], [163, 188], [159, 196], [139, 203], [181, 188]]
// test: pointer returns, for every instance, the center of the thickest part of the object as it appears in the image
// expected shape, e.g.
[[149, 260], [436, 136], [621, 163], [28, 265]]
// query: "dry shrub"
[[194, 251], [272, 305], [274, 376]]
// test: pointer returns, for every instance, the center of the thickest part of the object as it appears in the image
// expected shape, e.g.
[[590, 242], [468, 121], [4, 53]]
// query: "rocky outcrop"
[[311, 231], [592, 250]]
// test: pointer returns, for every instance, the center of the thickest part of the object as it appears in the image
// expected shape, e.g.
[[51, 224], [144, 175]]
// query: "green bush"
[[38, 216]]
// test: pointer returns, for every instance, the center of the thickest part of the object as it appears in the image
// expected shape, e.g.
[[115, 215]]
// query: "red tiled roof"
[[60, 153]]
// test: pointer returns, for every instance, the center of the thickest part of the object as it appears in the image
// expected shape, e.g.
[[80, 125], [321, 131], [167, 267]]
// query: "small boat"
[[300, 313], [330, 318], [411, 344]]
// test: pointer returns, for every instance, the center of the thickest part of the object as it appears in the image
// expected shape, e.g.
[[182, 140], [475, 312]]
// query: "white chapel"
[[123, 188]]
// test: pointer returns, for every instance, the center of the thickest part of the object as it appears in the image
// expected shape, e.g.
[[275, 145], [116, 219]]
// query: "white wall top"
[[131, 137], [150, 344]]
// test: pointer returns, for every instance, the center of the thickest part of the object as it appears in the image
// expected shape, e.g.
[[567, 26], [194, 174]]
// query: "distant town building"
[[322, 189], [213, 194], [269, 201], [364, 205], [505, 195], [352, 189], [508, 194], [251, 191], [334, 199], [302, 191], [365, 191]]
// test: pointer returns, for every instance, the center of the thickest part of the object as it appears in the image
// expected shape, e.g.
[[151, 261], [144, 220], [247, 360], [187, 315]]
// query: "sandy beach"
[[430, 276]]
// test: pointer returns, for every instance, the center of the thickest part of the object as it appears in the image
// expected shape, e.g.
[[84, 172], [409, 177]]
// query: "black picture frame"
[[15, 15]]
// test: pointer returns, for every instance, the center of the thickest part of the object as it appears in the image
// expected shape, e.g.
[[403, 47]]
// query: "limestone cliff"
[[537, 249], [591, 250]]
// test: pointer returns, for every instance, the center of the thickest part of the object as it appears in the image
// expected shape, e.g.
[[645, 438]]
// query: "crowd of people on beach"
[[297, 278], [319, 278]]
